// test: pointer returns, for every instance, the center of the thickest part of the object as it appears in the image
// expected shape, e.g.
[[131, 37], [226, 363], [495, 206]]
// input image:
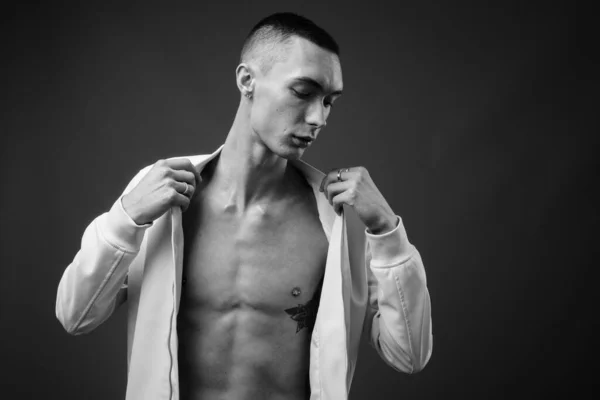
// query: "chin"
[[287, 150], [290, 153]]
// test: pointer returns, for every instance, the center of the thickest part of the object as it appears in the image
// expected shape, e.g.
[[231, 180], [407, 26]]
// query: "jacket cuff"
[[120, 230], [391, 248]]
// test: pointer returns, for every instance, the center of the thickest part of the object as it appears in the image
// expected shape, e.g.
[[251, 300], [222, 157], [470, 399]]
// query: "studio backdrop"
[[473, 121]]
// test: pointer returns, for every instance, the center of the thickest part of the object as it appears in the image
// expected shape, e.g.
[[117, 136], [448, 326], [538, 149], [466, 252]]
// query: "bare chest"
[[266, 259]]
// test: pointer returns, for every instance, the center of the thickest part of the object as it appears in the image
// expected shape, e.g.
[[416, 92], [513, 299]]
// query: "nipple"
[[296, 291]]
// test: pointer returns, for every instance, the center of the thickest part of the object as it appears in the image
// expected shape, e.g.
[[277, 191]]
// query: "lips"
[[307, 139], [301, 141]]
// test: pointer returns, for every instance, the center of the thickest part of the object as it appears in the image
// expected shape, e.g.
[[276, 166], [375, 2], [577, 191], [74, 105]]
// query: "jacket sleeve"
[[94, 284], [398, 319]]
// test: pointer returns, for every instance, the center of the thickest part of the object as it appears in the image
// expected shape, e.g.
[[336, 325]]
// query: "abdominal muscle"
[[241, 353]]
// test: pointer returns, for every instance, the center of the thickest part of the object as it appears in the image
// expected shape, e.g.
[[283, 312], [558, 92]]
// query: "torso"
[[241, 272]]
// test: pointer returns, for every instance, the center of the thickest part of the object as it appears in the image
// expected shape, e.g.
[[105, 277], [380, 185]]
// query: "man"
[[256, 291]]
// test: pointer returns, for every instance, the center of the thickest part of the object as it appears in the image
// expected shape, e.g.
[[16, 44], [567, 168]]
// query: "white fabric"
[[374, 284]]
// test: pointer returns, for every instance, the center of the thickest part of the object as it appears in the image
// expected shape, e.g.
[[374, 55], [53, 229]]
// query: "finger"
[[179, 200], [339, 200], [184, 176], [336, 188], [184, 164], [327, 179], [332, 176], [181, 187]]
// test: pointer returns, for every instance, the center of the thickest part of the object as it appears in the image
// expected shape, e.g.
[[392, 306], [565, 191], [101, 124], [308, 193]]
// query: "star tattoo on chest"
[[305, 315]]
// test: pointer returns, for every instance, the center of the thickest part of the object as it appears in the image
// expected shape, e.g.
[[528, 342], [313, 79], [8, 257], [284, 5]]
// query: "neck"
[[247, 171]]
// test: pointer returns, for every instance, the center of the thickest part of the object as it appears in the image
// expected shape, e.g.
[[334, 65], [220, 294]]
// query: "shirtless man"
[[254, 247]]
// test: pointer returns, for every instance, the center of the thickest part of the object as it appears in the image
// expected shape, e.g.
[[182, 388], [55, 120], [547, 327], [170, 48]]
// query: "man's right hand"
[[162, 188]]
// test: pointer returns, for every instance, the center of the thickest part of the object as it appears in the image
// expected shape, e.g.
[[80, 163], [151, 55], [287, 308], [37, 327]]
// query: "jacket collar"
[[312, 175]]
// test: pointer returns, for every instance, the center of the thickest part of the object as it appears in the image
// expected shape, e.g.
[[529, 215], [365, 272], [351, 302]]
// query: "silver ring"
[[339, 175], [186, 188]]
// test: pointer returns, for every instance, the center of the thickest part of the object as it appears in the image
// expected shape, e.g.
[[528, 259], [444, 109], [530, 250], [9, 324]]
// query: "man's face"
[[293, 100]]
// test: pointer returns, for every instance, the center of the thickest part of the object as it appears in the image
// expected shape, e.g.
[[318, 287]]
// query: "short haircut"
[[266, 42]]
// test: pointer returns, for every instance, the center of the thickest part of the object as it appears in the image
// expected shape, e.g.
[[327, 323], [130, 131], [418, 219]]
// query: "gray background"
[[474, 121]]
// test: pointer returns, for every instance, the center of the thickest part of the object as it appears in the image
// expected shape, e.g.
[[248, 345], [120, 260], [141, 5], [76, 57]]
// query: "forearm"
[[89, 286], [400, 302]]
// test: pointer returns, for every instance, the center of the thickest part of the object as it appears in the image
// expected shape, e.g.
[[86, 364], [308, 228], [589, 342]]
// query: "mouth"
[[302, 141]]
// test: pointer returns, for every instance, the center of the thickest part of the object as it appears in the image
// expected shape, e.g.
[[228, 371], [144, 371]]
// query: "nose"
[[317, 114]]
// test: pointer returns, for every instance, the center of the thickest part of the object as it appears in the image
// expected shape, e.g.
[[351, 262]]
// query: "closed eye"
[[301, 95]]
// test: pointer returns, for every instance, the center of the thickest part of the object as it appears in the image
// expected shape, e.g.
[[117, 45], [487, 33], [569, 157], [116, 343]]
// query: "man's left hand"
[[354, 187]]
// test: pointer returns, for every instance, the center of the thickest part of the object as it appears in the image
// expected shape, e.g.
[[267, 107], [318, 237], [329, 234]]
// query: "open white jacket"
[[373, 283]]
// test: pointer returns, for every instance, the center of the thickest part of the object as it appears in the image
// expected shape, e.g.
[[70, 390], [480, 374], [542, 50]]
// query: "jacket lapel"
[[328, 354], [150, 369]]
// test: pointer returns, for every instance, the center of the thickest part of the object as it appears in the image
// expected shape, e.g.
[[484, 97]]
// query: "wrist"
[[384, 225], [119, 229], [391, 248], [130, 211]]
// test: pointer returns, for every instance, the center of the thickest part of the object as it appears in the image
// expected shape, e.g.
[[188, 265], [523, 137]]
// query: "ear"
[[244, 77]]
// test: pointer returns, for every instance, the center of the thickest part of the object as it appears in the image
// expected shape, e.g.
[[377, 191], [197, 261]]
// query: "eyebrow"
[[311, 81]]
